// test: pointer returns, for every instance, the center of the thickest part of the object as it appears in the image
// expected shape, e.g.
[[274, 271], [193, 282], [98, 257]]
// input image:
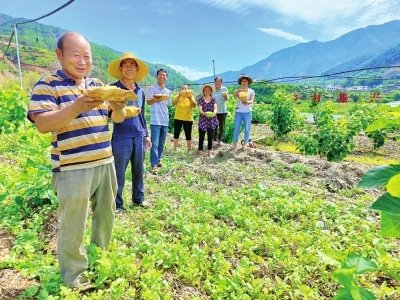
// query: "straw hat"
[[249, 79], [211, 86], [114, 67]]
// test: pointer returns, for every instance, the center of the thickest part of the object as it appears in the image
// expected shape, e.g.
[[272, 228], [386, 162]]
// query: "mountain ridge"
[[316, 58], [36, 38]]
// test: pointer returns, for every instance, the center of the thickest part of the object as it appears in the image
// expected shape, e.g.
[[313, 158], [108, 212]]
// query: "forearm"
[[176, 100], [151, 101], [54, 120], [250, 101]]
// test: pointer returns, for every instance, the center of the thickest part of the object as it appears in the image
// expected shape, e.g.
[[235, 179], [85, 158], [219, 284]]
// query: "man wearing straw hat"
[[130, 138]]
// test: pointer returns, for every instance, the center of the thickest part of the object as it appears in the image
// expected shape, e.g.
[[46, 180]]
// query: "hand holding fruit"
[[118, 105], [85, 103], [132, 111]]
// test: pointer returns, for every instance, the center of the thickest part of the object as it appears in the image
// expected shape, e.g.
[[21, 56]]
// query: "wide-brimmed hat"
[[209, 85], [249, 79], [115, 71]]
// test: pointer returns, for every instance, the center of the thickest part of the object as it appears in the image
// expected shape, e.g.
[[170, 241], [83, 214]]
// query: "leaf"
[[359, 293], [344, 276], [390, 224], [378, 176], [343, 294], [393, 186], [3, 196], [387, 203], [359, 263], [32, 291], [327, 259]]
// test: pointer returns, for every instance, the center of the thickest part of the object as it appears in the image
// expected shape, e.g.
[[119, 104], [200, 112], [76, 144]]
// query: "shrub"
[[260, 113], [13, 103], [330, 138], [283, 118]]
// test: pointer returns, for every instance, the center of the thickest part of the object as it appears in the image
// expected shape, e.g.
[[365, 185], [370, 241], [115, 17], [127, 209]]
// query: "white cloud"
[[283, 34], [162, 8], [145, 30], [326, 14], [189, 73]]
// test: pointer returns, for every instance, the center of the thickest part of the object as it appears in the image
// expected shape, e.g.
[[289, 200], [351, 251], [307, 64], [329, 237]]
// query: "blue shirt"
[[132, 127], [159, 110], [221, 101]]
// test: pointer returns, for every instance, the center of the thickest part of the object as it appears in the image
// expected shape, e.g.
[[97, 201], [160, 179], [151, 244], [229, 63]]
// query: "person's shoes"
[[154, 170], [82, 284], [119, 211], [144, 204], [159, 165]]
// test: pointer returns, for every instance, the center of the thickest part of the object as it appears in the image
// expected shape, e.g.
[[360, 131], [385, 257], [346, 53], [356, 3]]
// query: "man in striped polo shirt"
[[82, 160]]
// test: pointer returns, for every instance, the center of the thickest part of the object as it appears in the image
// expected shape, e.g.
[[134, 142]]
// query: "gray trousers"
[[75, 189]]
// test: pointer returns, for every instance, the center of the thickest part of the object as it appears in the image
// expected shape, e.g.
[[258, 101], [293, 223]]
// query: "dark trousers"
[[220, 129], [202, 134], [187, 128], [125, 151]]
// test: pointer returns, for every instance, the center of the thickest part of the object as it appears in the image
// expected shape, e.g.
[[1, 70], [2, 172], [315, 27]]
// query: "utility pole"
[[18, 59], [213, 69]]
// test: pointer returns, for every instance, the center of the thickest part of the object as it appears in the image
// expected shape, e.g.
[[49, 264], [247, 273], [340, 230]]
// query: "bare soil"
[[12, 284]]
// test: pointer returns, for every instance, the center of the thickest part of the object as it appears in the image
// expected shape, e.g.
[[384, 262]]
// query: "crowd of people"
[[89, 164]]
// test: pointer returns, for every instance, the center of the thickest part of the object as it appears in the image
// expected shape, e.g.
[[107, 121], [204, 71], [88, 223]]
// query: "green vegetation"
[[243, 225], [284, 117]]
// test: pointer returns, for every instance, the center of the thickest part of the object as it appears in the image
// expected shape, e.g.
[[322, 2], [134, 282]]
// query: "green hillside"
[[38, 42]]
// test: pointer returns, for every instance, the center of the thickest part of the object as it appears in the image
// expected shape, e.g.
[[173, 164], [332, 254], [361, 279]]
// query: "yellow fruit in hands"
[[209, 114], [132, 111], [109, 93]]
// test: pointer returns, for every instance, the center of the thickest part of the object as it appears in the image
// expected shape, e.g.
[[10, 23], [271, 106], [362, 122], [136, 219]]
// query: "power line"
[[8, 46], [46, 15], [30, 21], [304, 77]]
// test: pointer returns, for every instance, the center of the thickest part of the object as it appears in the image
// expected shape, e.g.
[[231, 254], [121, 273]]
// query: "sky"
[[188, 35]]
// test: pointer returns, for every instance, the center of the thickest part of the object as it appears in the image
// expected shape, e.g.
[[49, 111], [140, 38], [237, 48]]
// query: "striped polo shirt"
[[85, 141]]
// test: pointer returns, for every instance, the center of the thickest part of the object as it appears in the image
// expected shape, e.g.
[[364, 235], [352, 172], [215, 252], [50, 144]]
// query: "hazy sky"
[[189, 34]]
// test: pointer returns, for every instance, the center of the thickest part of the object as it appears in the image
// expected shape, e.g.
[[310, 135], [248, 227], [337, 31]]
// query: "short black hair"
[[162, 70], [218, 77], [120, 64], [60, 41]]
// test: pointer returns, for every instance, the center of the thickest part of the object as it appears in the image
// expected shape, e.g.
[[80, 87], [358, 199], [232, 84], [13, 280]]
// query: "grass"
[[241, 225], [339, 108]]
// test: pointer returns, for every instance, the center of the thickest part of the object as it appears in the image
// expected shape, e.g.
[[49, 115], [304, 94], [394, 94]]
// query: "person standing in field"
[[130, 137], [244, 101], [221, 95], [184, 104], [208, 120], [81, 155], [158, 97]]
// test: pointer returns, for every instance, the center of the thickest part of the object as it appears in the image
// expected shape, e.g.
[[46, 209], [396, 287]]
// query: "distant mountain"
[[372, 45], [38, 42]]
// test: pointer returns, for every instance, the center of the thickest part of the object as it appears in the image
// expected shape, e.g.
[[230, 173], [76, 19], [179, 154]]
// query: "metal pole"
[[19, 62], [214, 70]]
